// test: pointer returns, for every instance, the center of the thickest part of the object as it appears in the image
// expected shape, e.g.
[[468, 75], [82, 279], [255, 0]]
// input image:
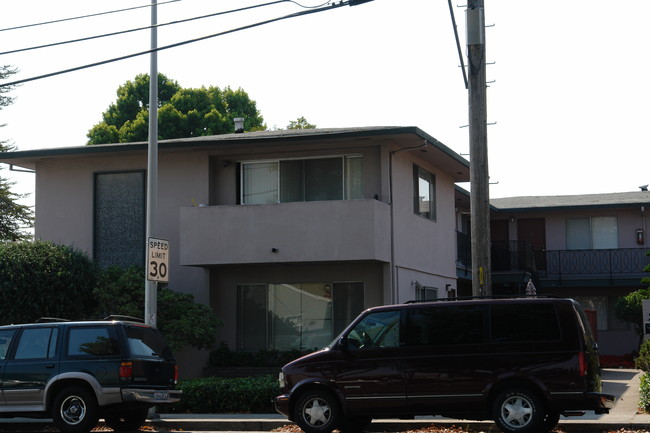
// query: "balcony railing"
[[606, 263]]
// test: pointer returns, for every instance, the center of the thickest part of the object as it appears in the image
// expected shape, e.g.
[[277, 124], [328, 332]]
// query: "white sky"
[[570, 97]]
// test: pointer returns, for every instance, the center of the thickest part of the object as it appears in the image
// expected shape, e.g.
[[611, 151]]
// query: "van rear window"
[[512, 323]]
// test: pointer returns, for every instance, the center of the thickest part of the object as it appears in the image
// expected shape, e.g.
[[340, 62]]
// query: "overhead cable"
[[88, 38], [178, 44], [84, 16]]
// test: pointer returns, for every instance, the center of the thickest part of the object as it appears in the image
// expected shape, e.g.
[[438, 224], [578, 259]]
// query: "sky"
[[567, 101]]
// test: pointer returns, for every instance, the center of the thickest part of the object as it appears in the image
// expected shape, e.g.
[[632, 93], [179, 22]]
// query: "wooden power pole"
[[479, 178]]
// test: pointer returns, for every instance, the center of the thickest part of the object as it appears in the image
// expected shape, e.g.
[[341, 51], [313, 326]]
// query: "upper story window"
[[291, 180], [424, 187], [593, 233]]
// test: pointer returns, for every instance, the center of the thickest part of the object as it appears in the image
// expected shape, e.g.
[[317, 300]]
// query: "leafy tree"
[[14, 217], [300, 123], [629, 308], [41, 279], [181, 112], [180, 319]]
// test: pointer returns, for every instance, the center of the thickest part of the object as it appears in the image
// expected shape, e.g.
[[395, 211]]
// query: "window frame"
[[425, 175], [346, 177]]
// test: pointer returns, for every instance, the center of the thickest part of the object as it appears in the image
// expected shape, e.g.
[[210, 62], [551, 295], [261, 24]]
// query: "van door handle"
[[49, 365]]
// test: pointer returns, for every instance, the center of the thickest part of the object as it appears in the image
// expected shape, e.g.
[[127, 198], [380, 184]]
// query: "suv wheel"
[[75, 410], [519, 411], [127, 420], [317, 412]]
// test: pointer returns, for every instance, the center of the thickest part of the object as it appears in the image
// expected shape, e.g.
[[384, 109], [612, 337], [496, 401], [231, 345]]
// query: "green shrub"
[[226, 395], [39, 279], [644, 392], [642, 361]]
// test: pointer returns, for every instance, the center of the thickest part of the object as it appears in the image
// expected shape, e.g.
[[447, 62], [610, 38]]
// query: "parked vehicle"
[[77, 372], [522, 362]]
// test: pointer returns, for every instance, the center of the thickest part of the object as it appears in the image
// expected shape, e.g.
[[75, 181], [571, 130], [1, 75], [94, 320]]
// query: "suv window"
[[534, 323], [92, 341], [146, 341], [448, 325], [37, 343], [5, 341]]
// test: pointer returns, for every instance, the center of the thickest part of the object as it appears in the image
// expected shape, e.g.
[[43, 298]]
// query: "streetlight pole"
[[479, 177], [151, 292]]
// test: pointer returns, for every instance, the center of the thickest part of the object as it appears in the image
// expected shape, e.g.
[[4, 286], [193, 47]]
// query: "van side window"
[[92, 341], [5, 341], [524, 323], [437, 326], [376, 330]]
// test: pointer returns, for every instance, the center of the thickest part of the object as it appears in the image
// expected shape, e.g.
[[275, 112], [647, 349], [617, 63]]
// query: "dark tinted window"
[[5, 341], [146, 341], [436, 326], [524, 323], [37, 343], [93, 341]]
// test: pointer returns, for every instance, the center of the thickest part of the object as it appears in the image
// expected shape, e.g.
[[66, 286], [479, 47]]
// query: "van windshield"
[[379, 329]]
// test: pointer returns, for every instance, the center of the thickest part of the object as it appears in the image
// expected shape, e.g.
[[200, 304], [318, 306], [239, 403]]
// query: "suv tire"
[[75, 410], [519, 410], [317, 412], [127, 420]]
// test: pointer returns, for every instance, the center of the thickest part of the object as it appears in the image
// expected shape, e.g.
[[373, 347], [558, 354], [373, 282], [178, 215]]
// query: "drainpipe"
[[393, 270]]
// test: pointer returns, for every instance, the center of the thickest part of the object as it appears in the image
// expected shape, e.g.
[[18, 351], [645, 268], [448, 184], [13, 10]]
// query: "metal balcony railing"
[[608, 263]]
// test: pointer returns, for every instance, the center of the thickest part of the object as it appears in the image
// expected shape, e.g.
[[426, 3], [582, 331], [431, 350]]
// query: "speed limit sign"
[[158, 260]]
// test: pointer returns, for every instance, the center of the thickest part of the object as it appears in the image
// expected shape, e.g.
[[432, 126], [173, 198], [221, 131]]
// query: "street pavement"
[[623, 383]]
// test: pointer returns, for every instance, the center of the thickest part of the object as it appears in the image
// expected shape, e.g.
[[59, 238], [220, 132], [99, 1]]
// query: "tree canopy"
[[181, 112], [300, 123], [15, 218]]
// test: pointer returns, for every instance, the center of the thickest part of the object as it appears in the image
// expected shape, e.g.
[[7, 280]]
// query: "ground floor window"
[[291, 316]]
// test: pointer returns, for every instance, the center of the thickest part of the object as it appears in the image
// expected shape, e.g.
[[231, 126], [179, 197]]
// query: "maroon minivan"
[[522, 362]]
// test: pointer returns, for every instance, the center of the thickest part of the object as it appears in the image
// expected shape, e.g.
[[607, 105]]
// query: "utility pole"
[[479, 177], [151, 287]]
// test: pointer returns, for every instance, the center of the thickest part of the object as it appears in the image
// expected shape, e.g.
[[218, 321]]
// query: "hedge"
[[226, 395]]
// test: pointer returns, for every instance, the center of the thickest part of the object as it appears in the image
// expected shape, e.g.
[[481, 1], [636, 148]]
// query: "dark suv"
[[522, 362], [77, 372]]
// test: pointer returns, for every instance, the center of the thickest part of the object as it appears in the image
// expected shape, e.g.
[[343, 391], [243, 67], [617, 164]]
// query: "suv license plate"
[[161, 396]]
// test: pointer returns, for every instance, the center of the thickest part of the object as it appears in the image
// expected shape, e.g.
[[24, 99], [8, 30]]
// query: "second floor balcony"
[[319, 231]]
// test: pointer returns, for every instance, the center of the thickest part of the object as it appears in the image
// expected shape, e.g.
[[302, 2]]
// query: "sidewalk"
[[623, 383]]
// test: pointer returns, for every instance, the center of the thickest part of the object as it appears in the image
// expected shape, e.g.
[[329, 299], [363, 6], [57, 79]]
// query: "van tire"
[[317, 411], [519, 410]]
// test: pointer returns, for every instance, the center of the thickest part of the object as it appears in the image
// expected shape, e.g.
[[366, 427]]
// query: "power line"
[[178, 44], [83, 16], [88, 38]]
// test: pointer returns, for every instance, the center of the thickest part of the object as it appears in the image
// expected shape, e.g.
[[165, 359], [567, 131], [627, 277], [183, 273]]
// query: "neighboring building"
[[587, 247], [288, 235]]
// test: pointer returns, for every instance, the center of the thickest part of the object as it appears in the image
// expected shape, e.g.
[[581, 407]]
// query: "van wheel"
[[127, 420], [317, 412], [75, 410], [519, 411]]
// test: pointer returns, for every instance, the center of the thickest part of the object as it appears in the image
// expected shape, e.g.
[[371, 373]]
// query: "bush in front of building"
[[43, 279], [226, 395]]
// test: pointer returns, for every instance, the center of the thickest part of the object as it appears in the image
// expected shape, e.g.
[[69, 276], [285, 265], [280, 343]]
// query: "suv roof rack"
[[124, 318], [469, 298], [50, 320]]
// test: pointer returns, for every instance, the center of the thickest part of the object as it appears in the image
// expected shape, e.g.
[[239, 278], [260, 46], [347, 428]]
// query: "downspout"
[[393, 271]]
